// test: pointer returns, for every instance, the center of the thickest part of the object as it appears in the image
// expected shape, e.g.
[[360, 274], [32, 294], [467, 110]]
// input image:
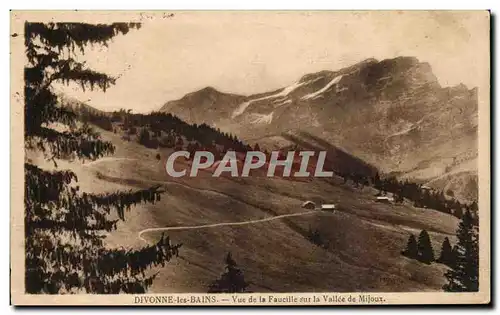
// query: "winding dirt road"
[[204, 226], [108, 159]]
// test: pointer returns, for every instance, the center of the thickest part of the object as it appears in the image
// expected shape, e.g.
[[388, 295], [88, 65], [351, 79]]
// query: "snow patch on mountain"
[[283, 93], [282, 103], [324, 89], [262, 119], [342, 89], [403, 131], [407, 129]]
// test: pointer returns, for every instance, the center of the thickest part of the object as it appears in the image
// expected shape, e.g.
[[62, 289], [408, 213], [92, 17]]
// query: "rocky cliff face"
[[392, 113]]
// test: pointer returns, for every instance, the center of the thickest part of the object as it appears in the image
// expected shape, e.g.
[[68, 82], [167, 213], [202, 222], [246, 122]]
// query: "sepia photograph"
[[250, 157]]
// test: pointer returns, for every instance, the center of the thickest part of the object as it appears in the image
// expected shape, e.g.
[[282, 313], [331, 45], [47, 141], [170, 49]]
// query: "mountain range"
[[393, 113]]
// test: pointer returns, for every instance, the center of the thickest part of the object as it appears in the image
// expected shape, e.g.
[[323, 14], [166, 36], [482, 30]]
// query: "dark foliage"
[[231, 281], [420, 196], [447, 255], [314, 236], [425, 251], [166, 130], [464, 273], [99, 119], [411, 250], [144, 138], [64, 227]]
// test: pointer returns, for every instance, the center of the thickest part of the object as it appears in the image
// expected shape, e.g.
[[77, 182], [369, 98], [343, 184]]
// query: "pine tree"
[[473, 206], [425, 251], [464, 275], [411, 250], [376, 180], [446, 257], [64, 227], [144, 137], [315, 237], [398, 198], [231, 281]]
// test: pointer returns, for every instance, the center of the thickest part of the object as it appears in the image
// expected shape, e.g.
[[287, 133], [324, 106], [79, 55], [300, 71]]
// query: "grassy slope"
[[364, 239], [433, 166]]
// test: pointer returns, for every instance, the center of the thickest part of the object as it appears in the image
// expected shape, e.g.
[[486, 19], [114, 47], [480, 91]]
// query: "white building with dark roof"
[[385, 199], [328, 207]]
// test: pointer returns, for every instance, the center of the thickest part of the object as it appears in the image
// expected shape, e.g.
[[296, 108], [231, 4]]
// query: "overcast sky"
[[249, 52]]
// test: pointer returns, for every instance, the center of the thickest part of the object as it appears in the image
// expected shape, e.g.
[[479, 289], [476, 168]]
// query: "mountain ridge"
[[381, 111]]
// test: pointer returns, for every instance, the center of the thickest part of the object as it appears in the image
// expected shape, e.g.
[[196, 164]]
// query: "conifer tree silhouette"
[[411, 250], [425, 251], [144, 137], [464, 274], [231, 281], [447, 256], [64, 251]]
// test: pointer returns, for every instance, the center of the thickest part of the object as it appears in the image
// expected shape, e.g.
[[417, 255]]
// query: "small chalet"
[[385, 199], [309, 205], [328, 207]]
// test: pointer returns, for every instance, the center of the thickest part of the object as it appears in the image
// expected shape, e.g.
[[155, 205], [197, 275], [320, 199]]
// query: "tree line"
[[418, 194], [462, 259], [424, 197], [159, 129]]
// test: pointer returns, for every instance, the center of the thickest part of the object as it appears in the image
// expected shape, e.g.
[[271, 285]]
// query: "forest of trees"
[[422, 197], [421, 250], [65, 227], [462, 259], [89, 115], [166, 130]]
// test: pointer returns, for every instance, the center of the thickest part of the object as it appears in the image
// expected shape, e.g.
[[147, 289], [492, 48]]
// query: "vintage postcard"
[[250, 157]]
